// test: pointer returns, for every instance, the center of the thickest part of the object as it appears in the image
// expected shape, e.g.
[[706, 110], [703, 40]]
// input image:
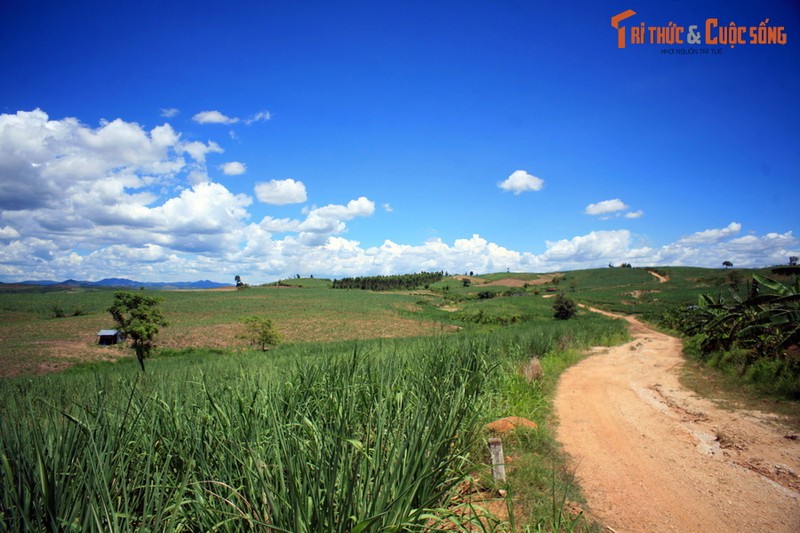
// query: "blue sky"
[[166, 141]]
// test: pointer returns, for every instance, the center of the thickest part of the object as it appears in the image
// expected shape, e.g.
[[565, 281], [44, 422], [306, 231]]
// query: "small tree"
[[139, 317], [564, 308], [260, 331], [727, 264]]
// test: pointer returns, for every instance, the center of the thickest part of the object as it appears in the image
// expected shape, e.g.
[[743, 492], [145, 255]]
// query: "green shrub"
[[261, 332], [564, 308]]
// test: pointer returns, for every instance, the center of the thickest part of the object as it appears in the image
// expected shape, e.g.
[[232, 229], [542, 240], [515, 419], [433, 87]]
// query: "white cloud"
[[281, 192], [520, 181], [117, 199], [44, 162], [233, 168], [388, 208], [711, 236], [605, 207], [213, 117], [596, 245], [261, 116], [322, 222], [198, 150], [8, 233], [634, 214], [169, 112]]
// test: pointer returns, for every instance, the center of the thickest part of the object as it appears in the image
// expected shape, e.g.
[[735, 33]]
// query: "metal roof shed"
[[107, 337]]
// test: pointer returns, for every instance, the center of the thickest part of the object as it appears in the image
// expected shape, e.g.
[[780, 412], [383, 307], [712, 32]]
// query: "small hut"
[[107, 337]]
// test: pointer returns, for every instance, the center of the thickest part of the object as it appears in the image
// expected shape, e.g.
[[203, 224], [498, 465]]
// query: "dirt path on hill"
[[659, 277], [652, 456]]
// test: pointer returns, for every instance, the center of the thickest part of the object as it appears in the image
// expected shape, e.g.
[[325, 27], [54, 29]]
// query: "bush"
[[564, 308]]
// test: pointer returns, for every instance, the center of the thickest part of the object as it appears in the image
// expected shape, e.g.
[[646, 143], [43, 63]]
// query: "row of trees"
[[389, 283]]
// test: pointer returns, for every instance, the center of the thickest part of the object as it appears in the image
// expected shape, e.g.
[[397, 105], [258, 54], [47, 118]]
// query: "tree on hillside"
[[261, 331], [793, 260], [727, 264], [139, 317]]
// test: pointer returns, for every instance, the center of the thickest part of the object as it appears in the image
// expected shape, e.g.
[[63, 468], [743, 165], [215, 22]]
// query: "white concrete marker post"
[[498, 460]]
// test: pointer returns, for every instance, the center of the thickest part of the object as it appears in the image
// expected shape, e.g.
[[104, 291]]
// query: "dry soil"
[[651, 455]]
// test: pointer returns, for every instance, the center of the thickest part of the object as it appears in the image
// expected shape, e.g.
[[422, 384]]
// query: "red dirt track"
[[651, 455]]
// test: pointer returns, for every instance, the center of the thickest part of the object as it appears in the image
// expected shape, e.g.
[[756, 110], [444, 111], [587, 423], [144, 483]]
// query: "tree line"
[[389, 283]]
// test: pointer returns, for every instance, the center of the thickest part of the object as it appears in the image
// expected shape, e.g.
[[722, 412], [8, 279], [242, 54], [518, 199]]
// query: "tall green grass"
[[362, 442], [367, 436]]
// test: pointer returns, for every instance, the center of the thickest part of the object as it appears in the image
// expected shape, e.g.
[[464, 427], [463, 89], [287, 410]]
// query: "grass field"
[[33, 341], [317, 434]]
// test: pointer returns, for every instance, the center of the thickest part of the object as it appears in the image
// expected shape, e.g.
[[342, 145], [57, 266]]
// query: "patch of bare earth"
[[651, 455], [659, 277], [638, 294], [511, 282]]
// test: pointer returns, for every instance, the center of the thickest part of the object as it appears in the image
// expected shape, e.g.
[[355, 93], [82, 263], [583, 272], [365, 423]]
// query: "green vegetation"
[[139, 318], [757, 336], [315, 438], [234, 439], [368, 419], [261, 332], [564, 308], [389, 283], [348, 442]]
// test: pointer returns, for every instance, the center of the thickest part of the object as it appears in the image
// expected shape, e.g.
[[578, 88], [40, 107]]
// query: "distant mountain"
[[129, 283]]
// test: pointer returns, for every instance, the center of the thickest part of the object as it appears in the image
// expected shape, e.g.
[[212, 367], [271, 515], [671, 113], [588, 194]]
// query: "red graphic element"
[[615, 20]]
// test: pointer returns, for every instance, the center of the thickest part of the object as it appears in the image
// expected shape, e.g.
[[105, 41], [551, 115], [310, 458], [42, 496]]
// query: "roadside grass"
[[180, 446], [724, 385], [545, 494]]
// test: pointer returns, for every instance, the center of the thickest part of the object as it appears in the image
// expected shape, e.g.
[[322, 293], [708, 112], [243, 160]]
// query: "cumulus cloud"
[[169, 112], [281, 192], [520, 181], [46, 162], [634, 214], [213, 117], [711, 236], [90, 202], [233, 168], [322, 222], [198, 150], [605, 207], [67, 186]]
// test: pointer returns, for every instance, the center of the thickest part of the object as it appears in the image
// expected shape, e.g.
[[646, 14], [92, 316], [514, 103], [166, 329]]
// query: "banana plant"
[[766, 323]]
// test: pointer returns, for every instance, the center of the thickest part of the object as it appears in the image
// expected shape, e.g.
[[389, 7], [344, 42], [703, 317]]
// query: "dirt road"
[[652, 456]]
